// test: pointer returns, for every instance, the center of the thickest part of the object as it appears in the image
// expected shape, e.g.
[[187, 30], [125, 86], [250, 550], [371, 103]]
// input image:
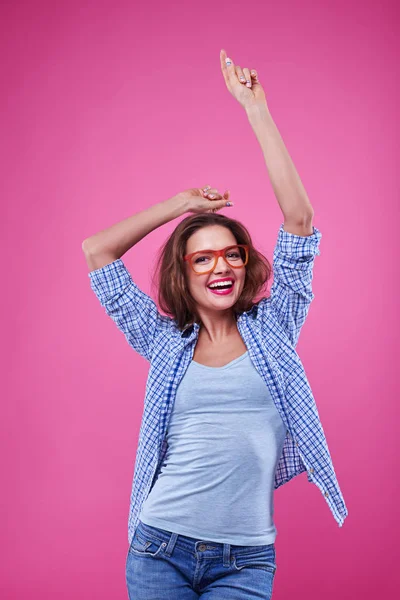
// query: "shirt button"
[[311, 470], [297, 443], [326, 494]]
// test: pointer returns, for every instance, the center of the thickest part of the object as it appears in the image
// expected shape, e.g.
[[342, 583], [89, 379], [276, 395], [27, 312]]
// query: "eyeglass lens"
[[203, 261]]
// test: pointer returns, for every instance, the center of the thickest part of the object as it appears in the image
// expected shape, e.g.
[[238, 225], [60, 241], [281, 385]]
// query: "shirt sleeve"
[[291, 291], [133, 311]]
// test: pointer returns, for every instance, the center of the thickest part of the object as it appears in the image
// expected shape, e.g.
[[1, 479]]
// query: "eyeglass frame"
[[217, 254]]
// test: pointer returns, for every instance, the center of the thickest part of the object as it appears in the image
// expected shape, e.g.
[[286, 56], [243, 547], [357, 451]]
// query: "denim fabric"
[[162, 565]]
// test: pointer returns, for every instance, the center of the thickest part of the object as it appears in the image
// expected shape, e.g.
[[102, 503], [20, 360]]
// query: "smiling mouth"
[[222, 289]]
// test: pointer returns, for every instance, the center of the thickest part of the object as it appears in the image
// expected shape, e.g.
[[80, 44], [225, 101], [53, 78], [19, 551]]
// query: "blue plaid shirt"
[[270, 331]]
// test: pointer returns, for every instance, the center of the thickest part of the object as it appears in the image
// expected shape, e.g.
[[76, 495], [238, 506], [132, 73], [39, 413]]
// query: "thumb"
[[258, 89]]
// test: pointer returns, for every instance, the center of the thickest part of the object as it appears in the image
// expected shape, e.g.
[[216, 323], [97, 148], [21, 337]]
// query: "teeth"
[[221, 284]]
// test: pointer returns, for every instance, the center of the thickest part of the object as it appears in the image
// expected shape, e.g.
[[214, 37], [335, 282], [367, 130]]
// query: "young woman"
[[229, 415]]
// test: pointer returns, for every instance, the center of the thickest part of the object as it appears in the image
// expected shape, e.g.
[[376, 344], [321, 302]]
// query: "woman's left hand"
[[236, 80]]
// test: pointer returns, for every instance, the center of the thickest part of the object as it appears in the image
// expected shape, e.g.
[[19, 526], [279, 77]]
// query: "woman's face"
[[214, 237]]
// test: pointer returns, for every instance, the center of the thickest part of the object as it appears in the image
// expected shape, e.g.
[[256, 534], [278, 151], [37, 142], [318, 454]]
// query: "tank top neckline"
[[233, 362]]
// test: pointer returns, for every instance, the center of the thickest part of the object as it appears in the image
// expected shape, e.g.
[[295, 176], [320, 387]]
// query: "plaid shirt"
[[270, 330]]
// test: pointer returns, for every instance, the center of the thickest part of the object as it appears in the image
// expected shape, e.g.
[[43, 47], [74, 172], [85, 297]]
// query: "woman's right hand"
[[206, 199]]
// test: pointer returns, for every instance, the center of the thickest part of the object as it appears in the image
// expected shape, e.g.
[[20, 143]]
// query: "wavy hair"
[[170, 275]]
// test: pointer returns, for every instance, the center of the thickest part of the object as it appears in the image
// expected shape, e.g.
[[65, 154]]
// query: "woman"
[[229, 415]]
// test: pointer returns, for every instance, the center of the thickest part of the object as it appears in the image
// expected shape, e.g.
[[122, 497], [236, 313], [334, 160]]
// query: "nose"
[[222, 266]]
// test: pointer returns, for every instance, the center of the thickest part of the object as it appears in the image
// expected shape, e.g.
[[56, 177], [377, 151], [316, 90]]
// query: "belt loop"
[[171, 544], [227, 555]]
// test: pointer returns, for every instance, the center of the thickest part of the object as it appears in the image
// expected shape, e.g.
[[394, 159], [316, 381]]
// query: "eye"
[[233, 254], [202, 258]]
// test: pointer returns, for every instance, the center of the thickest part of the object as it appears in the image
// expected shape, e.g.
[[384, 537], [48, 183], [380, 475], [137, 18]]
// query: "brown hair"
[[174, 297]]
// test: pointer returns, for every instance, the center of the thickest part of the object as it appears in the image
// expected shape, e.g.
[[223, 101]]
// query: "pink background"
[[110, 107]]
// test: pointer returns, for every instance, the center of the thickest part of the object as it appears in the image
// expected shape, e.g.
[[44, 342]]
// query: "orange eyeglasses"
[[205, 261]]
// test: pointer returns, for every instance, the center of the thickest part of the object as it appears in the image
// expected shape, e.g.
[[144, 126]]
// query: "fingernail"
[[229, 203], [248, 84], [212, 196], [228, 61]]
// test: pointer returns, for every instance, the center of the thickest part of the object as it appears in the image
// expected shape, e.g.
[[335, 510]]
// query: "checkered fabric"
[[270, 331]]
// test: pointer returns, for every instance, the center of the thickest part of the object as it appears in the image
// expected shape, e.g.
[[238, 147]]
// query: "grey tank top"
[[225, 438]]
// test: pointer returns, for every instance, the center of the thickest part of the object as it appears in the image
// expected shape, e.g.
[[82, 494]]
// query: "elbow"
[[87, 246]]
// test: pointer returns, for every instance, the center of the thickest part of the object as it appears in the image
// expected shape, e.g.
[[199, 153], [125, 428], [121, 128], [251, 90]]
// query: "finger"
[[228, 68], [239, 74], [212, 193], [254, 75], [218, 204], [246, 73], [206, 188], [217, 196]]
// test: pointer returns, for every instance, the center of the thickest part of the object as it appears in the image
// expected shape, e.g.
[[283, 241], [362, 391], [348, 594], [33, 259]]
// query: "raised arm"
[[292, 198], [112, 243], [298, 239], [133, 311], [291, 292]]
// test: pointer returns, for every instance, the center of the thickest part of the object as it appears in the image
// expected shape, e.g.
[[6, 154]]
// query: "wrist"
[[178, 205], [256, 112]]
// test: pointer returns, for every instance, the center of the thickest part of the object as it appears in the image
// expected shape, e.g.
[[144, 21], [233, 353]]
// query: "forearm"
[[285, 181], [119, 238]]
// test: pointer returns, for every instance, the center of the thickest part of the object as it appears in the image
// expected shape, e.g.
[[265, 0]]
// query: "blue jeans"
[[161, 565]]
